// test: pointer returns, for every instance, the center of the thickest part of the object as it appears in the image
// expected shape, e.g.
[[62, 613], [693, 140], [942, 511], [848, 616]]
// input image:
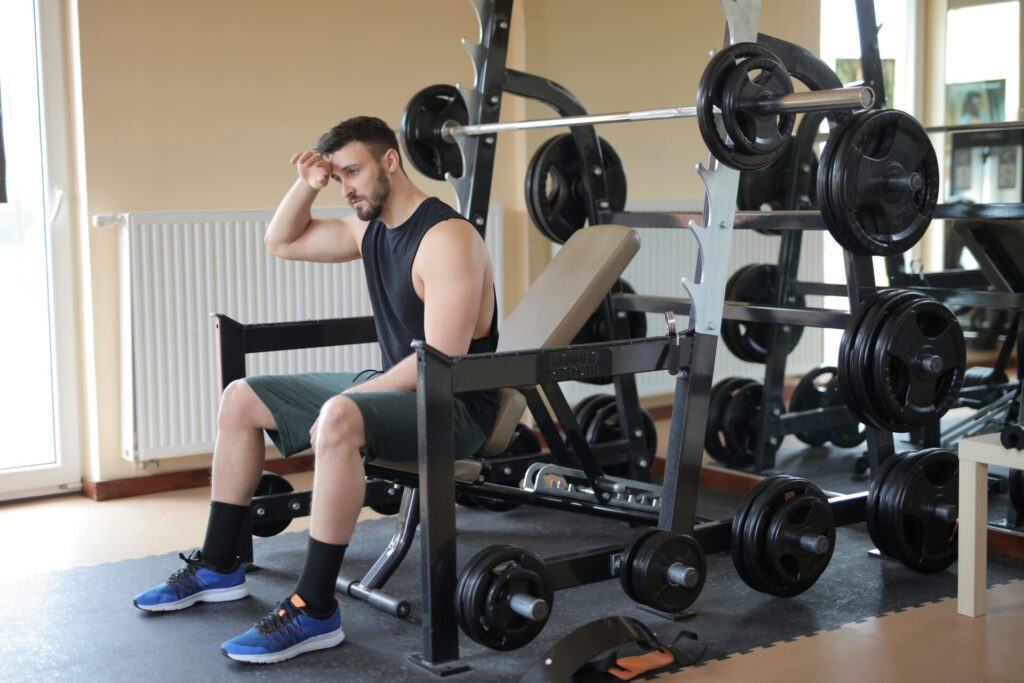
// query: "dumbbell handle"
[[529, 607], [680, 574]]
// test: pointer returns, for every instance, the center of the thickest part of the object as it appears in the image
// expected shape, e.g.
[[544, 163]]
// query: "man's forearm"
[[293, 214], [401, 377]]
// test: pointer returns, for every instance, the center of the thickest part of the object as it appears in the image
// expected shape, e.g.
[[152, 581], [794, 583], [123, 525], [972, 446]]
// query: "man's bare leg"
[[339, 478], [239, 453]]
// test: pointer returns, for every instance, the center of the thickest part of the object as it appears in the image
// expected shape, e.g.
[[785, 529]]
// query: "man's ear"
[[391, 160]]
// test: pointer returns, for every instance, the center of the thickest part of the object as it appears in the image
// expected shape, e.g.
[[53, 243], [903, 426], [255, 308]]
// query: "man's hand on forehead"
[[313, 168]]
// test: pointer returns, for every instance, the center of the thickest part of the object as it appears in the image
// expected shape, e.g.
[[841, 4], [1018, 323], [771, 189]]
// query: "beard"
[[376, 200]]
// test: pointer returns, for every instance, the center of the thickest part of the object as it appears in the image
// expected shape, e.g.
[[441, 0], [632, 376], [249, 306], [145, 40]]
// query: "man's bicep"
[[327, 240], [452, 285]]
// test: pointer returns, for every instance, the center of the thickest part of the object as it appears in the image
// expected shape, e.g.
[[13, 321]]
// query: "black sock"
[[220, 549], [317, 583]]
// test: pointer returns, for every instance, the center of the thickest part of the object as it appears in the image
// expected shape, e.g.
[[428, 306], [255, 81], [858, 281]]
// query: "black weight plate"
[[483, 593], [710, 95], [750, 130], [833, 198], [810, 394], [604, 427], [740, 421], [888, 511], [924, 542], [595, 330], [856, 347], [749, 341], [758, 571], [269, 484], [590, 409], [825, 168], [873, 499], [718, 398], [875, 217], [649, 571], [739, 524], [578, 408], [794, 568], [420, 129], [556, 196], [908, 395], [628, 559], [847, 434]]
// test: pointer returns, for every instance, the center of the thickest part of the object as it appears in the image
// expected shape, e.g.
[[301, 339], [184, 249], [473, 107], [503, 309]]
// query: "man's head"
[[363, 153]]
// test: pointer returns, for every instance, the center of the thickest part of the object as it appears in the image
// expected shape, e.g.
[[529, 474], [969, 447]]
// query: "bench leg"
[[972, 561]]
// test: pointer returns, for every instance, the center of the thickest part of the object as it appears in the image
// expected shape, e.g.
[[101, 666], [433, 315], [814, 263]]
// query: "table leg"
[[972, 561]]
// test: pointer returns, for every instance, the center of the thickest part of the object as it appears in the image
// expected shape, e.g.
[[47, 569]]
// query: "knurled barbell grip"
[[858, 97]]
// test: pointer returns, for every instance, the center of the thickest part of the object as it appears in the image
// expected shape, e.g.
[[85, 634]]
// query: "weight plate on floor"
[[739, 524], [789, 549], [650, 575], [628, 558], [269, 484], [484, 592], [420, 128], [556, 196], [923, 539], [725, 73], [884, 184]]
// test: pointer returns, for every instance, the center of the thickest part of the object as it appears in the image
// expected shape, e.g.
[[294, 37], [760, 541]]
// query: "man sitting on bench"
[[429, 277]]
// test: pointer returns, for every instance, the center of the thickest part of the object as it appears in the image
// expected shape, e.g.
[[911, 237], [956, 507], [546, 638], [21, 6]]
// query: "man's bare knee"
[[241, 408], [340, 427]]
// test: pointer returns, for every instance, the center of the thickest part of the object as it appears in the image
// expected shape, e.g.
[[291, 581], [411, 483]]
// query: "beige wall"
[[197, 104]]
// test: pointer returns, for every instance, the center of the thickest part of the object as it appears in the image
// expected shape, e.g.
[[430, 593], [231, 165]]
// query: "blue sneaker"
[[285, 633], [195, 582]]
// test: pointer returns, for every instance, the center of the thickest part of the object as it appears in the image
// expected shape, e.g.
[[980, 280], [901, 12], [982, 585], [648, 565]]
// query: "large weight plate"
[[483, 591], [794, 568], [556, 197], [871, 211], [810, 394], [909, 394], [420, 129], [726, 72], [740, 421], [595, 330], [921, 540], [756, 284], [604, 427]]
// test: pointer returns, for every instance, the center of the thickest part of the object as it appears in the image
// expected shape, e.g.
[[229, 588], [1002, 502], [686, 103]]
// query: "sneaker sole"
[[211, 595], [320, 642]]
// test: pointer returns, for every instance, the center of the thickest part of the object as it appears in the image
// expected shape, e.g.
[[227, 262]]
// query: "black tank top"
[[397, 309]]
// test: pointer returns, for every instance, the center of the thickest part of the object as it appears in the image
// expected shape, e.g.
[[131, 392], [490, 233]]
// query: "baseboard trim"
[[176, 481]]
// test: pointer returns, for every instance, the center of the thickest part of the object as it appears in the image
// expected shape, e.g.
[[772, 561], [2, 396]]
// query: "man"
[[972, 109], [429, 277]]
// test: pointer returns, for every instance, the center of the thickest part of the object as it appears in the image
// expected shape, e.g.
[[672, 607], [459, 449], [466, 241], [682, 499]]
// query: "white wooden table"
[[976, 454]]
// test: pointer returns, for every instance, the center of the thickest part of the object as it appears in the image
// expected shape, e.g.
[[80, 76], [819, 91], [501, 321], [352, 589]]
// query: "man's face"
[[974, 104], [364, 182]]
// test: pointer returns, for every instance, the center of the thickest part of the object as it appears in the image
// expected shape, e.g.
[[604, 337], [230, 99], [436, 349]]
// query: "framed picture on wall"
[[977, 102], [961, 170], [849, 71], [1006, 173]]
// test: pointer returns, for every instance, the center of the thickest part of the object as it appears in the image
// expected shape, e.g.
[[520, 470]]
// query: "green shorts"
[[389, 417]]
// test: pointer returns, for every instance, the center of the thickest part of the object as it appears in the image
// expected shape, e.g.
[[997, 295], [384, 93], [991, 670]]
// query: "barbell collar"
[[529, 607], [817, 100]]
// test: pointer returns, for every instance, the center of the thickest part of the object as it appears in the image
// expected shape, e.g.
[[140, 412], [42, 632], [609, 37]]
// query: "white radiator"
[[666, 255], [176, 269]]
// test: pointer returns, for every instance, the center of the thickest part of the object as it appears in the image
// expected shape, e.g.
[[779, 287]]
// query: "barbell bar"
[[858, 97]]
